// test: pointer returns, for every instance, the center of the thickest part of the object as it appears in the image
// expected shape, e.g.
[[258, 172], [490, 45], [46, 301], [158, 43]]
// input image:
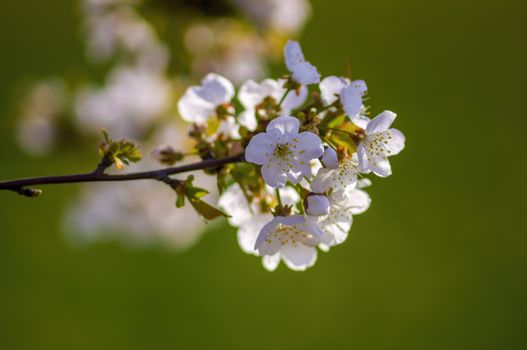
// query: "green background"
[[438, 262]]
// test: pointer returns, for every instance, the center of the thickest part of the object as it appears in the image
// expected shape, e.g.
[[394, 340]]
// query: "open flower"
[[252, 94], [292, 238], [199, 103], [250, 219], [283, 153], [379, 143], [302, 71], [344, 202]]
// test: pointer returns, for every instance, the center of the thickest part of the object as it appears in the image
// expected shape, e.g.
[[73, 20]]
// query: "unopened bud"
[[29, 192], [316, 204], [165, 154], [330, 159]]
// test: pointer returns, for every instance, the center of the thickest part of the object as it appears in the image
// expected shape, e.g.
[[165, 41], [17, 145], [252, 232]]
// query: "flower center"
[[282, 152], [287, 235]]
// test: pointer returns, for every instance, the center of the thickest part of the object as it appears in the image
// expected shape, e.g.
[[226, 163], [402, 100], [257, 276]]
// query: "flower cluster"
[[307, 141]]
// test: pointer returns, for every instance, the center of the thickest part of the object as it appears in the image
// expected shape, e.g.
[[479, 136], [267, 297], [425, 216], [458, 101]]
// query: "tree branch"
[[99, 176]]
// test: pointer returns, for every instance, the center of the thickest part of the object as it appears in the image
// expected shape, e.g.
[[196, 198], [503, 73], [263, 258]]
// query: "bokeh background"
[[438, 262]]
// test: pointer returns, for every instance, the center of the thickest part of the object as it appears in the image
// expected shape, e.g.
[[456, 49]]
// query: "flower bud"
[[165, 154], [316, 204], [329, 159]]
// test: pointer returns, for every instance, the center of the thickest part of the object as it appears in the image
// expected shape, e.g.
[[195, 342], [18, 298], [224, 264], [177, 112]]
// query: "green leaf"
[[206, 210], [195, 192], [106, 136]]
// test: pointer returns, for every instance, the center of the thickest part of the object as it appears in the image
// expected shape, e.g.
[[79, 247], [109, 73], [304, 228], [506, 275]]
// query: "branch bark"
[[98, 176]]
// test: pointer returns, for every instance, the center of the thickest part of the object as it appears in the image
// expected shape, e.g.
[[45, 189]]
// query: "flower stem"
[[283, 97], [277, 191]]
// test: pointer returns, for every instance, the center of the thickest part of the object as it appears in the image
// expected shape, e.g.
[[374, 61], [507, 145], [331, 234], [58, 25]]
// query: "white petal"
[[289, 196], [381, 168], [299, 169], [273, 175], [364, 164], [299, 257], [229, 128], [358, 201], [252, 94], [294, 100], [351, 99], [216, 89], [309, 225], [249, 231], [330, 88], [270, 262], [260, 243], [396, 142], [330, 159], [305, 74], [380, 123], [293, 54], [309, 146], [363, 183], [194, 109], [336, 228], [248, 119], [360, 120], [359, 86], [236, 205], [282, 129], [259, 149]]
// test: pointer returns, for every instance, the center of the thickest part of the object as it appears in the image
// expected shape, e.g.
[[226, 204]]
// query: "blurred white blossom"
[[287, 16], [40, 109], [127, 105]]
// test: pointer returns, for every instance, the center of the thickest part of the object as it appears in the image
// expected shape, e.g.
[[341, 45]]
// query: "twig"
[[99, 176]]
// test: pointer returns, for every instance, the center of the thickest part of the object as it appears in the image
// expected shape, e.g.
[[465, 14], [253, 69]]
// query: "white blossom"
[[344, 203], [379, 143], [227, 48], [249, 218], [301, 70], [337, 224], [127, 105], [199, 103], [279, 15], [114, 26], [283, 153], [294, 238], [252, 94], [40, 110]]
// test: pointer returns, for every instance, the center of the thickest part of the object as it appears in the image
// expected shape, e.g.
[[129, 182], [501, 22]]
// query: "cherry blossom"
[[283, 153]]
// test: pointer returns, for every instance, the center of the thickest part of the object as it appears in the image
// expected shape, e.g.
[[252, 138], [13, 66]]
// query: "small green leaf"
[[106, 136], [206, 210], [180, 201]]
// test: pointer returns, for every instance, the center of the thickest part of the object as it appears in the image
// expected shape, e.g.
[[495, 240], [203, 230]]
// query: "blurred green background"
[[438, 262]]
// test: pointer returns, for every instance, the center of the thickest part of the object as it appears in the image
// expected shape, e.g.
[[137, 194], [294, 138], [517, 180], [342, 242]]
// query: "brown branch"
[[98, 176]]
